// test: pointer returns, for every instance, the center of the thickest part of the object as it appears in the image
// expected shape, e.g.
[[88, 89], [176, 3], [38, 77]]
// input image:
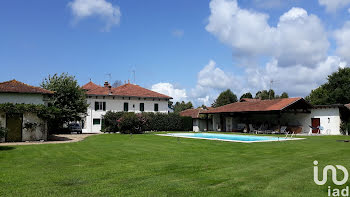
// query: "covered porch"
[[263, 116]]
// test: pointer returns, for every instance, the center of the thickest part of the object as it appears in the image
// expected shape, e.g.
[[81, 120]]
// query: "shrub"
[[344, 127], [147, 121], [132, 123], [3, 132], [110, 123]]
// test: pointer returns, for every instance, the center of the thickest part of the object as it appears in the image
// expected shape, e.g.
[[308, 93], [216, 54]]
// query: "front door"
[[315, 122], [14, 126]]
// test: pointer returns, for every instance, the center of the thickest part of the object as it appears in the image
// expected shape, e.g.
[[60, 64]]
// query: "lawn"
[[151, 165]]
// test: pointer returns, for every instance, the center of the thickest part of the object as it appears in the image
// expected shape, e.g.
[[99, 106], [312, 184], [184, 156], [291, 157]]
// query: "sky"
[[190, 50]]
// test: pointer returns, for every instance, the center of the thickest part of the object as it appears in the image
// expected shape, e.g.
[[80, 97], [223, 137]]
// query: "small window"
[[100, 106], [156, 107], [96, 121], [126, 106], [142, 107]]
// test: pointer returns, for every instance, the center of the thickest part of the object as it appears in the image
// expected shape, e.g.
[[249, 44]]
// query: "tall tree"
[[246, 95], [178, 107], [68, 97], [334, 91], [225, 97], [117, 83]]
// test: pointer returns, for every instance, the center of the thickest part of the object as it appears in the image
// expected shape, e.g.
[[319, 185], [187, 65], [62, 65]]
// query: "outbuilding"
[[26, 126], [295, 114]]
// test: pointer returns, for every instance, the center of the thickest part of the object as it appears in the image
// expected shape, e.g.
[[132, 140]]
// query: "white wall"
[[116, 105], [38, 133], [21, 98], [330, 127]]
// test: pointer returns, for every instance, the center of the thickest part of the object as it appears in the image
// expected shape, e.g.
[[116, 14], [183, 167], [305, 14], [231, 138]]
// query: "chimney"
[[128, 81], [106, 84], [109, 89]]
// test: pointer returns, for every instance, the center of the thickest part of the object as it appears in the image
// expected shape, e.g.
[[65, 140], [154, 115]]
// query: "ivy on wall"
[[43, 111]]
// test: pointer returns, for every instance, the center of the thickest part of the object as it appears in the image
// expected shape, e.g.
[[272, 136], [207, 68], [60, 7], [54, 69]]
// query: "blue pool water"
[[228, 137]]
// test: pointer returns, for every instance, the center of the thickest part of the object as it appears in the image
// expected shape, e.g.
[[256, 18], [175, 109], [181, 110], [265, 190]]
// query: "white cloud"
[[297, 80], [334, 5], [213, 77], [170, 90], [178, 33], [211, 80], [106, 11], [298, 38], [342, 37]]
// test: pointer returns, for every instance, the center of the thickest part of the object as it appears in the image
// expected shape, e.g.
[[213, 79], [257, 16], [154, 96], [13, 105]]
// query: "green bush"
[[3, 132], [110, 123], [147, 121], [132, 123], [344, 127]]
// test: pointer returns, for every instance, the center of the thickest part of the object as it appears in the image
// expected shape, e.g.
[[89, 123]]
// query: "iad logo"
[[335, 191]]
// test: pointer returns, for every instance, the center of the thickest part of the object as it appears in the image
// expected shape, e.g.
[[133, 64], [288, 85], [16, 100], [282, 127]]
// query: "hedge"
[[147, 121], [42, 111]]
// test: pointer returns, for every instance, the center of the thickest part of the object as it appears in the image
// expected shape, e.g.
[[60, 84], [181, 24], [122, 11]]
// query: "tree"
[[334, 91], [117, 83], [178, 107], [225, 97], [246, 95], [68, 97], [263, 95], [284, 95]]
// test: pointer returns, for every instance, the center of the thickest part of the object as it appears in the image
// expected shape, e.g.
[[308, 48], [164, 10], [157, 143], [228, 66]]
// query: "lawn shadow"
[[58, 138], [4, 148]]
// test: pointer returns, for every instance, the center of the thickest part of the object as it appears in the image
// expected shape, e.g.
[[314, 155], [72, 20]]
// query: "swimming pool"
[[230, 137]]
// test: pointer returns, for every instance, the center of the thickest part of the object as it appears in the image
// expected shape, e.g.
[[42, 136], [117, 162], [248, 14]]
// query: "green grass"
[[150, 165]]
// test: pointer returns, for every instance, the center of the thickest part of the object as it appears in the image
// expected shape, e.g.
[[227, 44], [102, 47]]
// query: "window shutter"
[[96, 106], [104, 106]]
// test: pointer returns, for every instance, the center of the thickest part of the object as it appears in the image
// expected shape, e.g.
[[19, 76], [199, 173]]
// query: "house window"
[[156, 107], [126, 106], [142, 107], [96, 121], [100, 106]]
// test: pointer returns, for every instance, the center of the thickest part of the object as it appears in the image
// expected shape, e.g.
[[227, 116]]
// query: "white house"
[[16, 92], [295, 113], [128, 98]]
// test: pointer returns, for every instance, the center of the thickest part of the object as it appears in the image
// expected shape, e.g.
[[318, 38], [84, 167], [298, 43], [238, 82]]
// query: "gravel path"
[[53, 139]]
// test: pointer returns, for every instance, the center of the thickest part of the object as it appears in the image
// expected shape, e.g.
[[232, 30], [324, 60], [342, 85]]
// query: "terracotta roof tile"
[[90, 86], [127, 90], [256, 106], [194, 113], [14, 86]]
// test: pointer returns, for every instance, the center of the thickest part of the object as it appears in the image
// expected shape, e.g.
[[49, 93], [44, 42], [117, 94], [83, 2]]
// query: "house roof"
[[257, 106], [90, 86], [128, 89], [15, 86], [194, 113]]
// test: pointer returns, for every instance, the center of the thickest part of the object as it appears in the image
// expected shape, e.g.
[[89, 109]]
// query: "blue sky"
[[176, 47]]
